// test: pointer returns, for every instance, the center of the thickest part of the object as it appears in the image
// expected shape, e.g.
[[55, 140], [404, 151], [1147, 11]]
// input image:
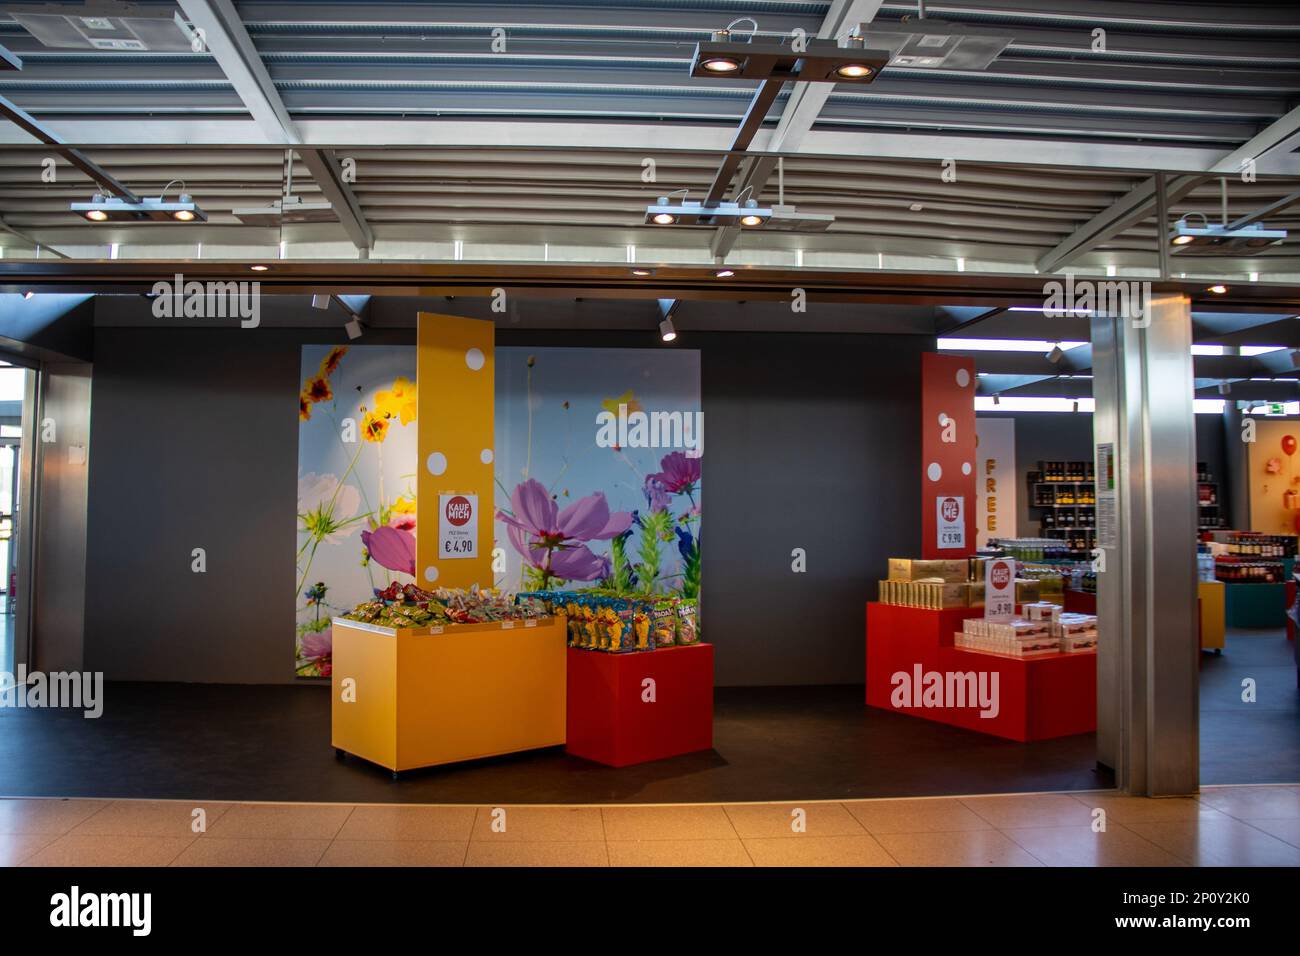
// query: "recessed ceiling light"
[[1218, 289], [726, 273], [259, 268], [916, 207], [642, 272]]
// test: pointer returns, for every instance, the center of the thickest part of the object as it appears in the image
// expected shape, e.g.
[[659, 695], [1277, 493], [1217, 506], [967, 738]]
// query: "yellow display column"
[[454, 375]]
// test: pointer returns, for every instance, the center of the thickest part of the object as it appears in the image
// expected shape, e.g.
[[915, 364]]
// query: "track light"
[[666, 330], [997, 398], [821, 60], [103, 208], [688, 213], [1222, 240], [1076, 404], [320, 301], [1055, 355], [28, 294], [1225, 388], [1295, 358], [353, 327]]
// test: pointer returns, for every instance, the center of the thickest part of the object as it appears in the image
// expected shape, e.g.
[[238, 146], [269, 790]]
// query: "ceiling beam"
[[33, 127], [801, 110], [226, 38]]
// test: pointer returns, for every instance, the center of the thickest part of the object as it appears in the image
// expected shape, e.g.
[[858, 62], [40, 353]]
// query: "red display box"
[[611, 722], [1038, 698]]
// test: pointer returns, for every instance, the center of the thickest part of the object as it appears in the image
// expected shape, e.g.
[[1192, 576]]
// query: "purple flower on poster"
[[554, 541], [680, 473], [393, 548]]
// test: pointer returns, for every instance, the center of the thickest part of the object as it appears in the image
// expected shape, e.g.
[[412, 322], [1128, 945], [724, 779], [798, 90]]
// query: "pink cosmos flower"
[[554, 541], [391, 548], [679, 474]]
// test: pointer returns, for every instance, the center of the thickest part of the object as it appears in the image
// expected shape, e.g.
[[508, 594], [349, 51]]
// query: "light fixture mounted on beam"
[[102, 208], [688, 213], [823, 61], [1210, 240]]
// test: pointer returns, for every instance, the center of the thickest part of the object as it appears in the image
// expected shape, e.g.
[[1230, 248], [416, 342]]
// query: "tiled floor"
[[1224, 826]]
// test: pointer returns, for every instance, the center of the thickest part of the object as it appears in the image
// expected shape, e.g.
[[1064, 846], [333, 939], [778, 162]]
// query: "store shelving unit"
[[1065, 498], [1208, 510]]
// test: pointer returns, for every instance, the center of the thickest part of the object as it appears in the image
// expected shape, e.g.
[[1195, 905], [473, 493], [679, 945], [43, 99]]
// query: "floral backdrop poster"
[[598, 457]]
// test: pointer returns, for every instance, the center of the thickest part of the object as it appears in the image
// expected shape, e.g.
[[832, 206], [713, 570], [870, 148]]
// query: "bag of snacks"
[[663, 617], [688, 630]]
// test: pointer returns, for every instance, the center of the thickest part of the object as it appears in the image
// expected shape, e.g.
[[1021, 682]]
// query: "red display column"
[[632, 708], [947, 456]]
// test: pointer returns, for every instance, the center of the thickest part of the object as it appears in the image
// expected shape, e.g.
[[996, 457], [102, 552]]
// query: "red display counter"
[[1080, 602], [1037, 698], [625, 709]]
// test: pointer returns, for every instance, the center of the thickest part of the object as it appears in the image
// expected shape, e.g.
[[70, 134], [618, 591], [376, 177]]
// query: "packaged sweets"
[[641, 630], [688, 631], [663, 617]]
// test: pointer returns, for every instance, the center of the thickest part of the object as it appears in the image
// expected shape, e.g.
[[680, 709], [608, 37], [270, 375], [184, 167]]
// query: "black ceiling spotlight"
[[102, 208], [823, 61]]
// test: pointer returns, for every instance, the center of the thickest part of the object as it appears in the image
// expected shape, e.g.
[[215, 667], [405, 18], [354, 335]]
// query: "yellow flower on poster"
[[399, 402]]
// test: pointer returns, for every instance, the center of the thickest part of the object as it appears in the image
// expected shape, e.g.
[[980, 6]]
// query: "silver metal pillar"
[[1144, 430]]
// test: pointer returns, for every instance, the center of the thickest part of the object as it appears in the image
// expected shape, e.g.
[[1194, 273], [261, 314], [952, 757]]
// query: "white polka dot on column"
[[963, 377], [934, 472], [437, 463], [431, 573], [965, 468], [485, 456], [474, 359]]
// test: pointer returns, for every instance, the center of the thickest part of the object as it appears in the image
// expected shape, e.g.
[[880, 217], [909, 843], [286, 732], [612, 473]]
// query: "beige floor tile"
[[1254, 803], [523, 853], [169, 818], [45, 816], [757, 820], [220, 851], [1080, 846], [1219, 843], [916, 816], [279, 821], [1285, 830], [667, 823], [395, 853], [409, 823], [819, 851], [80, 850], [678, 853], [1030, 810], [1124, 809], [16, 847], [955, 848], [539, 825]]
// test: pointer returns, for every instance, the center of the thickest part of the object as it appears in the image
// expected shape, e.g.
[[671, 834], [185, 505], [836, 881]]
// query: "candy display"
[[951, 583], [405, 606], [601, 620], [1045, 629]]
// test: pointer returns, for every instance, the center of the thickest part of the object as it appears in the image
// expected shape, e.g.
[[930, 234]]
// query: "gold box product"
[[975, 594], [1026, 591], [975, 569], [916, 569]]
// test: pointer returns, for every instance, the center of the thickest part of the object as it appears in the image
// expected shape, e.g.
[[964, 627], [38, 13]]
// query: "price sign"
[[999, 589], [951, 525], [458, 526]]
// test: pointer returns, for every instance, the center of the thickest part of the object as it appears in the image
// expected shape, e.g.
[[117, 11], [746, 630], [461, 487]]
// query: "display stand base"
[[1037, 698], [632, 708], [1255, 605]]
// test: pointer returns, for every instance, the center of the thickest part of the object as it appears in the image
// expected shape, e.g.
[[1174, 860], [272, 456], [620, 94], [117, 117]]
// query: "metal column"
[[1145, 435]]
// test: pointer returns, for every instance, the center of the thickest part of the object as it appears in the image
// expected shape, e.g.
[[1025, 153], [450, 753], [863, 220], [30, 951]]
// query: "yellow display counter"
[[1213, 614], [430, 696]]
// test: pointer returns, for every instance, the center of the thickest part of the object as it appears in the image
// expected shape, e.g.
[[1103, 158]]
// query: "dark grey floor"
[[217, 742], [206, 741], [1250, 742]]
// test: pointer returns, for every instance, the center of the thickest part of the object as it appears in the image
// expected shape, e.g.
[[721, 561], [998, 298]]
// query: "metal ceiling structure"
[[535, 134]]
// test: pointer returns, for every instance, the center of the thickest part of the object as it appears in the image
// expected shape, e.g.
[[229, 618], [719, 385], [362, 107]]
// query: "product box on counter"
[[975, 594], [1027, 591], [931, 595], [917, 569]]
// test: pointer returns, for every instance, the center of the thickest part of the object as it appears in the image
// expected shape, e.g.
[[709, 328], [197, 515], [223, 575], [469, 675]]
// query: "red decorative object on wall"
[[947, 456]]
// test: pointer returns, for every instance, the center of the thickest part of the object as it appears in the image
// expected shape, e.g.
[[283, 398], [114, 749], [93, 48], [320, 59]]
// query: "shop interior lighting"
[[725, 273], [1225, 388], [1056, 354], [28, 294], [320, 301], [102, 208], [1218, 289], [259, 268], [823, 61], [667, 332], [664, 212], [1220, 240]]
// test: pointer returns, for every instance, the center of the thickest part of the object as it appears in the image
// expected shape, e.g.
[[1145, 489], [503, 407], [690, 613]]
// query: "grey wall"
[[58, 593], [1066, 436], [812, 443]]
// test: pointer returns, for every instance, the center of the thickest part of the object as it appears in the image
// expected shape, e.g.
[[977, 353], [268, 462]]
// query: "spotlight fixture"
[[666, 330], [997, 398], [1222, 240], [725, 273], [28, 294], [822, 61], [1225, 388], [353, 327], [643, 272], [1295, 358], [1218, 289], [1055, 355], [1076, 404], [103, 208], [320, 301], [259, 268], [689, 213]]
